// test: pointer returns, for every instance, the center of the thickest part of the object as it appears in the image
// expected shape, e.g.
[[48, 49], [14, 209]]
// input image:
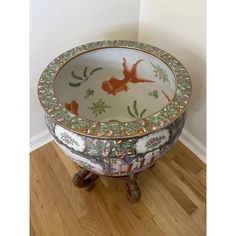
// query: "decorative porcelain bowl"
[[115, 107]]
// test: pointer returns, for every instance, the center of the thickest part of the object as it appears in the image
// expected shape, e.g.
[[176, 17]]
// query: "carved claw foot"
[[85, 179], [133, 192]]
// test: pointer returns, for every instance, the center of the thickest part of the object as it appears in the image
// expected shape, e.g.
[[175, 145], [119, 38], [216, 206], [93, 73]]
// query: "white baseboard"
[[39, 140], [193, 144], [186, 138]]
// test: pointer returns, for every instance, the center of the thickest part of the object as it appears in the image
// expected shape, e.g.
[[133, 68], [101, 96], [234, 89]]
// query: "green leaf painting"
[[89, 92], [154, 94], [160, 73], [134, 113], [83, 78], [99, 107]]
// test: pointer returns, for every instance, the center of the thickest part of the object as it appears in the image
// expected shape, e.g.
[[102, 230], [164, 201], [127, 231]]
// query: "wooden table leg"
[[133, 192], [85, 179]]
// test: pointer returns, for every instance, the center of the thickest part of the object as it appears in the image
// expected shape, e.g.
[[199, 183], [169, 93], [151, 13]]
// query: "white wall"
[[58, 25], [179, 28]]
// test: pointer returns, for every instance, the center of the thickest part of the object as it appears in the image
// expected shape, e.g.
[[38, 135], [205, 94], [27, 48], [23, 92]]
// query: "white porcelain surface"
[[149, 96]]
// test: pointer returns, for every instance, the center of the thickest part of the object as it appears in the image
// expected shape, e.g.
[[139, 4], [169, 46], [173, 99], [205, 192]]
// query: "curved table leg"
[[85, 179], [133, 192]]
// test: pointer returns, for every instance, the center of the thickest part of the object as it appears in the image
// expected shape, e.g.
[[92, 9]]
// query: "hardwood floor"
[[173, 194]]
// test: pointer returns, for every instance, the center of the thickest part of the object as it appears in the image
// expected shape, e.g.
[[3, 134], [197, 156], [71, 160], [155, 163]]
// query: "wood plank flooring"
[[172, 201]]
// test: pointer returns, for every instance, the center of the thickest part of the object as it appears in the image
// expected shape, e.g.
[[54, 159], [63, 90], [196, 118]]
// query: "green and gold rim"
[[114, 129]]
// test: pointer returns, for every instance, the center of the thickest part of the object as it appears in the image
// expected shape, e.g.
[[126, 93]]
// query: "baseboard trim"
[[193, 144], [39, 140], [186, 138]]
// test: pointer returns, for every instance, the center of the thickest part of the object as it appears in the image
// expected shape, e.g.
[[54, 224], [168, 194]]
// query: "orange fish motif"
[[114, 85], [72, 107]]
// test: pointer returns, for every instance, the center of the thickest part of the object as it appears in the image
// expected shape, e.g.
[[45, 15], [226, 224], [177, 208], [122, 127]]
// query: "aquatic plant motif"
[[83, 78], [114, 85], [160, 73], [72, 107], [166, 96], [136, 114], [154, 94], [99, 107], [89, 92]]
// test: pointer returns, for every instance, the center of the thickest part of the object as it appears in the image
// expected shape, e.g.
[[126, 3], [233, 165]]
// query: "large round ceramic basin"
[[115, 107]]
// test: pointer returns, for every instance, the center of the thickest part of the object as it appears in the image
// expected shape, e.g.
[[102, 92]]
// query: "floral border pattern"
[[113, 129]]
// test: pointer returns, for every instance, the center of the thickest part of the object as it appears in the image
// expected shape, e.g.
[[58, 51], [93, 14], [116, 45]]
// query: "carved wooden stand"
[[86, 179], [133, 192]]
